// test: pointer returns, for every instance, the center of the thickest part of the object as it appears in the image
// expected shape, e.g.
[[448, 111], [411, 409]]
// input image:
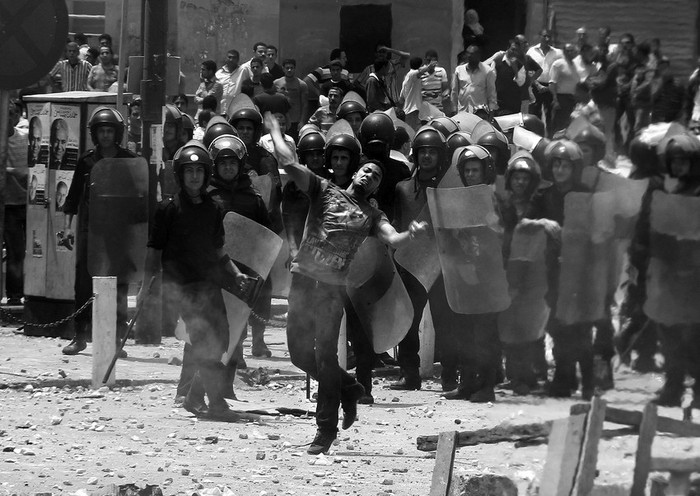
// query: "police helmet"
[[496, 140], [429, 137], [350, 106], [523, 161], [345, 142], [533, 123], [475, 152], [445, 125], [193, 152], [216, 127], [457, 140], [107, 116], [564, 150], [377, 130]]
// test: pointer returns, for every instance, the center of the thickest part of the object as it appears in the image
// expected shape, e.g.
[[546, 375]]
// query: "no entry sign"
[[32, 38]]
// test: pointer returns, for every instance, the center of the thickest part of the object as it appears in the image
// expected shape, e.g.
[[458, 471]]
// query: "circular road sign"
[[32, 38]]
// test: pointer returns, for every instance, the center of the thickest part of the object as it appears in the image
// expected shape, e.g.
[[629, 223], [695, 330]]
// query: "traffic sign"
[[32, 38]]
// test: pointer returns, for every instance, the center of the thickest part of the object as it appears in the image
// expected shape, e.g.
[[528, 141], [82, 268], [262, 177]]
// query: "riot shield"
[[118, 221], [420, 257], [527, 315], [381, 301], [341, 126], [241, 101], [399, 123], [469, 246], [354, 96], [595, 236], [510, 121], [255, 246], [263, 186], [673, 280], [466, 121]]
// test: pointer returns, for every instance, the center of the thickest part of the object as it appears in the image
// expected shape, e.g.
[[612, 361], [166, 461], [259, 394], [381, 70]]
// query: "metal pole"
[[121, 106], [4, 129]]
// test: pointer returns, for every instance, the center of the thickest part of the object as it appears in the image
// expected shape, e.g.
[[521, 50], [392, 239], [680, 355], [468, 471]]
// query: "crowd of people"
[[362, 156]]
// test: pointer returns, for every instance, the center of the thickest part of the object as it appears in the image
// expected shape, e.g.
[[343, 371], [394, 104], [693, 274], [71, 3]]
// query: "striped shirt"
[[71, 77], [431, 86]]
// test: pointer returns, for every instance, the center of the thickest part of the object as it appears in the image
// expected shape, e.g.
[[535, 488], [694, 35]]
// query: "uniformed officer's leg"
[[487, 349], [672, 347], [564, 360], [449, 335], [582, 346], [409, 347], [83, 292], [262, 309]]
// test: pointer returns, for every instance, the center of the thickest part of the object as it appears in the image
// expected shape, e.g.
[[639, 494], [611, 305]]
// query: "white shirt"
[[411, 91], [471, 89], [565, 76], [232, 83], [545, 61]]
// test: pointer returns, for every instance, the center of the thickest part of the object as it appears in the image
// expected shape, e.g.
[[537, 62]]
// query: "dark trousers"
[[542, 107], [481, 355], [562, 116], [521, 366], [361, 340], [262, 308], [14, 238], [448, 336], [83, 292], [680, 345], [572, 344], [313, 325]]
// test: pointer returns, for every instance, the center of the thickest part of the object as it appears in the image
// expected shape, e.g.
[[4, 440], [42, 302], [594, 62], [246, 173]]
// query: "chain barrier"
[[6, 315]]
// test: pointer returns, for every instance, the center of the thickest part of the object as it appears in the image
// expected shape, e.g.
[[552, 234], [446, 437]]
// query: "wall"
[[672, 21], [207, 29], [309, 29]]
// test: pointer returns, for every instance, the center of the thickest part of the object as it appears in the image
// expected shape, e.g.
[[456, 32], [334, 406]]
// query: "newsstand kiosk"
[[49, 268]]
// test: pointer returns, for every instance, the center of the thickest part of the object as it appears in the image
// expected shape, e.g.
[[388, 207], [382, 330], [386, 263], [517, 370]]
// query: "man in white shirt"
[[231, 76], [544, 54], [562, 84], [474, 84], [260, 51]]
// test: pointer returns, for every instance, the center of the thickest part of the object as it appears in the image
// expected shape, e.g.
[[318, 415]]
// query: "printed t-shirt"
[[336, 226]]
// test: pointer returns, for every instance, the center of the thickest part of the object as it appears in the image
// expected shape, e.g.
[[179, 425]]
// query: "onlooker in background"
[[269, 100], [667, 95], [562, 83], [377, 92], [325, 116], [297, 92], [209, 85], [134, 126], [585, 66], [473, 32], [231, 76], [103, 75], [411, 94], [315, 79], [396, 59], [259, 52], [72, 73], [473, 84], [181, 102], [15, 197], [252, 87], [544, 54], [435, 88], [336, 79], [202, 120], [83, 46], [271, 62], [581, 37], [92, 55]]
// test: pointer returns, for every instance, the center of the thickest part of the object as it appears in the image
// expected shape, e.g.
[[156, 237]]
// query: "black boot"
[[194, 400], [409, 381], [79, 342], [214, 377]]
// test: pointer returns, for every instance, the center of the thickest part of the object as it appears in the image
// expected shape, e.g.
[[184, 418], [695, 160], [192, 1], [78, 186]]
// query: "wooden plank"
[[563, 452], [664, 464], [444, 461], [678, 484], [663, 424], [642, 465], [585, 476], [497, 434]]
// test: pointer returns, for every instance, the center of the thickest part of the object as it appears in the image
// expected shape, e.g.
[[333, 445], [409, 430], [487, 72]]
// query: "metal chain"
[[7, 315]]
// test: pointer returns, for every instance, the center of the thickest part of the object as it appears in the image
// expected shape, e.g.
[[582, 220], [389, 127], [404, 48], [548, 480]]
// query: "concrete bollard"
[[104, 329]]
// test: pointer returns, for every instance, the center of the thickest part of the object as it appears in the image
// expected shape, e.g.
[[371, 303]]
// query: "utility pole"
[[154, 17]]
